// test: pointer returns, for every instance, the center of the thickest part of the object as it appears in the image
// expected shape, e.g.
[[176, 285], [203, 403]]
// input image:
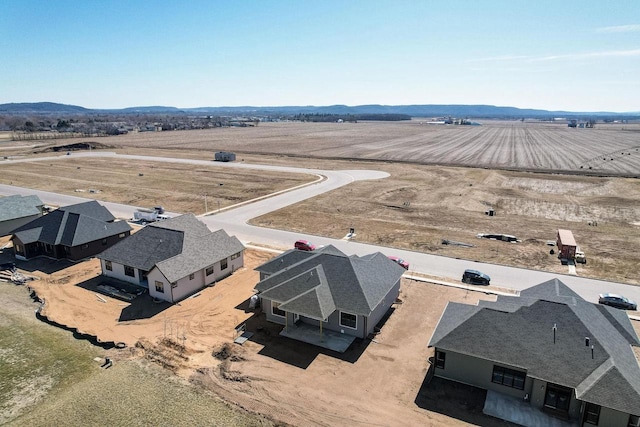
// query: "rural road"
[[234, 222]]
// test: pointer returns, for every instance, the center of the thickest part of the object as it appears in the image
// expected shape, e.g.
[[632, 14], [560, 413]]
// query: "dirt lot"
[[374, 383], [178, 187]]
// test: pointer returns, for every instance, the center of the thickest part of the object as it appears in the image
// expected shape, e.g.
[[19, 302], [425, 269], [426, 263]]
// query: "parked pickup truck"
[[580, 258]]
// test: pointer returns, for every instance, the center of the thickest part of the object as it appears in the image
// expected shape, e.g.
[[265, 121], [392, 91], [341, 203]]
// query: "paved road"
[[234, 221]]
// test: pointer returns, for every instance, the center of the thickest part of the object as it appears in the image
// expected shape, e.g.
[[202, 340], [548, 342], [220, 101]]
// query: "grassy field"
[[49, 378]]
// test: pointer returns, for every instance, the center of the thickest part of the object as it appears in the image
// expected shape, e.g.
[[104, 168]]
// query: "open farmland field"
[[609, 149]]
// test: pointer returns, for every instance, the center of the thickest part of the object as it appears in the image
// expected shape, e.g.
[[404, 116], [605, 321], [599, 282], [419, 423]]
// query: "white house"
[[173, 258]]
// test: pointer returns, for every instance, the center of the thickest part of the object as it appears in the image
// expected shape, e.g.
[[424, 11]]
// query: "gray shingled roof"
[[521, 335], [17, 206], [199, 252], [72, 226], [177, 247], [317, 284], [285, 260]]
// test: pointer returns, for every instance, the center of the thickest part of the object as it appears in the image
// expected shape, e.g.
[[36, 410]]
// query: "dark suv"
[[474, 277]]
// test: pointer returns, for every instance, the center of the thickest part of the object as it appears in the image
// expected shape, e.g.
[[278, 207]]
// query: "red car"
[[404, 264], [304, 245]]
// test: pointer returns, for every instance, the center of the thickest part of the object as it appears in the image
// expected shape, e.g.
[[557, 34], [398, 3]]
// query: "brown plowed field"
[[610, 149]]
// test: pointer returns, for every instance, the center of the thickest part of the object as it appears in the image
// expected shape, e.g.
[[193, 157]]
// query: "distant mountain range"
[[427, 110]]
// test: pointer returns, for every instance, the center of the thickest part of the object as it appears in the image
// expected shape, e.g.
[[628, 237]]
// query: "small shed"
[[225, 156]]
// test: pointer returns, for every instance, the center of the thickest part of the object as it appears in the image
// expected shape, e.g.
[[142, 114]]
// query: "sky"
[[554, 55]]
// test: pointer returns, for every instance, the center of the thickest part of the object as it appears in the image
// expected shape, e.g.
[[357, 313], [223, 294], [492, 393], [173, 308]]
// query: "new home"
[[548, 348], [327, 298], [173, 258], [73, 232]]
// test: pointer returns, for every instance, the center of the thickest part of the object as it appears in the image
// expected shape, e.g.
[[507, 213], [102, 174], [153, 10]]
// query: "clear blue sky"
[[558, 55]]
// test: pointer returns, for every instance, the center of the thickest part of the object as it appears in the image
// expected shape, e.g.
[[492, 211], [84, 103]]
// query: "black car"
[[474, 277], [617, 301]]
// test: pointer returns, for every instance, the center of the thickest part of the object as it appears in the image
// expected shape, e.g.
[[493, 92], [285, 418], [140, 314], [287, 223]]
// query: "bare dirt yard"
[[376, 382]]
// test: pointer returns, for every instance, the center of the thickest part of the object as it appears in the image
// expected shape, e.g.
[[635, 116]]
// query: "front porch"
[[311, 334], [518, 411]]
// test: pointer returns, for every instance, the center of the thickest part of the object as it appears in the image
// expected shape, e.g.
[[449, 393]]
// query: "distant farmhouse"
[[548, 348], [16, 211], [174, 258], [327, 298], [72, 232]]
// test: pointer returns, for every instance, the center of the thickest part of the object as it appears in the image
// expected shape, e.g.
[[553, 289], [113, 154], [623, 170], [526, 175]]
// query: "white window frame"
[[159, 286], [347, 326]]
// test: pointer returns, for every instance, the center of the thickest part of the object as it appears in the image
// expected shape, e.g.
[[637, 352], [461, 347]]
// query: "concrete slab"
[[518, 411], [311, 334], [243, 338]]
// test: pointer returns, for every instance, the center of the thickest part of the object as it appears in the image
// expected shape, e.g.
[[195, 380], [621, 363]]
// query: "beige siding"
[[611, 418], [478, 372], [153, 276], [117, 272]]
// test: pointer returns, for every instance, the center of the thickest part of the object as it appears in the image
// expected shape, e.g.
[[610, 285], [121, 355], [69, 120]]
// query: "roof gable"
[[199, 252], [69, 226]]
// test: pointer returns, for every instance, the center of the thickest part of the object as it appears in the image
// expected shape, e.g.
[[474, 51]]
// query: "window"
[[104, 242], [85, 246], [592, 413], [440, 358], [348, 320], [508, 377], [121, 235], [108, 266], [275, 309], [634, 421], [18, 249], [159, 286], [209, 271], [129, 271], [234, 256], [223, 264], [191, 276], [558, 398]]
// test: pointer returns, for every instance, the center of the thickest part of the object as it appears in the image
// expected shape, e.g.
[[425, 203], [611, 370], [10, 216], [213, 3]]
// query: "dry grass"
[[178, 187]]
